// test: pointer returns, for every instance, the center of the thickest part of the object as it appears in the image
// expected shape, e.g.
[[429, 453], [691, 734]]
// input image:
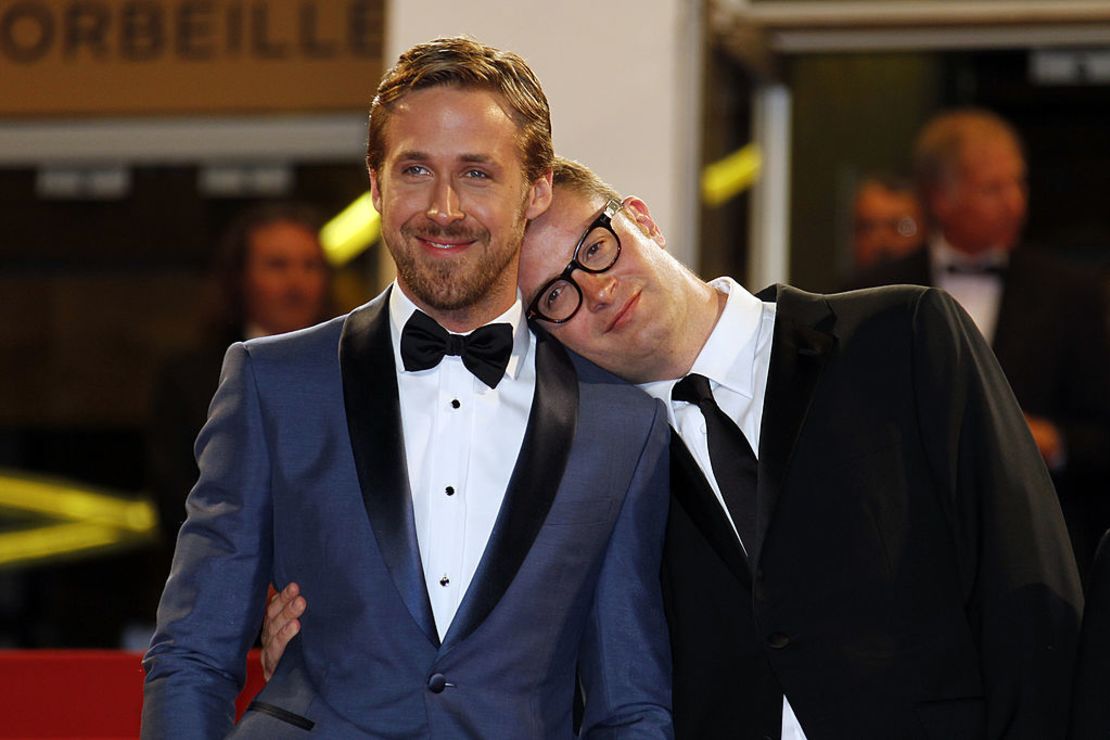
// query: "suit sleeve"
[[1018, 574], [625, 661], [213, 601]]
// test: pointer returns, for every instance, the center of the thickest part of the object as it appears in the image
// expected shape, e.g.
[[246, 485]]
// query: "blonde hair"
[[581, 180]]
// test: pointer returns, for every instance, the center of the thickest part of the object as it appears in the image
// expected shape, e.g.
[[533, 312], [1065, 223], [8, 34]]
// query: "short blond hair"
[[581, 180]]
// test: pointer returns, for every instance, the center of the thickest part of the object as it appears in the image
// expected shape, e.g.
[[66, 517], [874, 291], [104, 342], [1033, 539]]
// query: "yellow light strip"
[[62, 500], [84, 520], [55, 540], [347, 235], [728, 177]]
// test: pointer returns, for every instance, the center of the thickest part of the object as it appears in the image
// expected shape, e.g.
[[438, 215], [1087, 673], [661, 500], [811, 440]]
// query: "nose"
[[445, 207], [598, 289]]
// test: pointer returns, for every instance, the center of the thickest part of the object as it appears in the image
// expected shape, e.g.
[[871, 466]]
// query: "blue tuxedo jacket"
[[303, 478]]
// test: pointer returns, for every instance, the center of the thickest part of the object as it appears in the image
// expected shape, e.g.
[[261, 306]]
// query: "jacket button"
[[778, 640], [437, 683]]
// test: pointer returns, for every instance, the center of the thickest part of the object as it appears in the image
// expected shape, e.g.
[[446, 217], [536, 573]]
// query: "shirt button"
[[450, 490], [455, 403], [437, 683], [444, 581], [778, 640]]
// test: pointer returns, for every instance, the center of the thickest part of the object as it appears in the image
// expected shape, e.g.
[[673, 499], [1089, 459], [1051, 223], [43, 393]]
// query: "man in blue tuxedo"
[[476, 514], [891, 562], [1044, 319]]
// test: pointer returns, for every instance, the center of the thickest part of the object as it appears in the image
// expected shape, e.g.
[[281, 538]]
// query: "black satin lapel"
[[803, 340], [374, 424], [535, 480], [694, 494]]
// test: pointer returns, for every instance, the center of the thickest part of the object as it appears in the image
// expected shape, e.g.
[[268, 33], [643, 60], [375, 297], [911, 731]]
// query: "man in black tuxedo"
[[891, 564], [1045, 321]]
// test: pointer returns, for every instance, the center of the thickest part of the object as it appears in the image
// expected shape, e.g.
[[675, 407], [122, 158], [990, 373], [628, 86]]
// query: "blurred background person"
[[1045, 320], [273, 278], [887, 220]]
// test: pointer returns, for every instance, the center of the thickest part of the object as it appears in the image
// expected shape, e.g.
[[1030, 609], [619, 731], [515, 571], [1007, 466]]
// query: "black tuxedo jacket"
[[1090, 718], [911, 575], [1052, 342]]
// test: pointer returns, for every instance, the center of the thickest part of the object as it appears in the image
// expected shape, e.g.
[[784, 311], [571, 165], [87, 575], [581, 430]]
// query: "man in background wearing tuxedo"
[[1045, 320]]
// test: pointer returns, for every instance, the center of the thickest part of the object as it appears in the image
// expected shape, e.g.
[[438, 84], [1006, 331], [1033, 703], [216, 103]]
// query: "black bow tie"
[[982, 268], [485, 351]]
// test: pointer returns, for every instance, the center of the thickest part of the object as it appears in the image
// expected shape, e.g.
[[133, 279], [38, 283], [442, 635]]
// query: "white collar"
[[728, 356], [942, 254]]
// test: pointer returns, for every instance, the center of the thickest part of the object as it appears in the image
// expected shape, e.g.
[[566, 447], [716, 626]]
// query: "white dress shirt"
[[735, 359], [462, 439], [980, 293]]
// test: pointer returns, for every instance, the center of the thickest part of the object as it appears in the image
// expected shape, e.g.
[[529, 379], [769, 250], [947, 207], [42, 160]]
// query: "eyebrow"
[[558, 275], [420, 156]]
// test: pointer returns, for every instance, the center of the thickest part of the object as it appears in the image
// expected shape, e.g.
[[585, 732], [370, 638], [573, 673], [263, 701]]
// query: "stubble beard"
[[455, 285]]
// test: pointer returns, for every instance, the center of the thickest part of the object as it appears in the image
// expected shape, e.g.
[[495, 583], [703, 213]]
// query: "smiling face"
[[634, 315], [454, 200]]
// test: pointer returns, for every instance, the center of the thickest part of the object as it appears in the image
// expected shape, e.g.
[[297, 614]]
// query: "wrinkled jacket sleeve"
[[213, 601], [1018, 574], [625, 661]]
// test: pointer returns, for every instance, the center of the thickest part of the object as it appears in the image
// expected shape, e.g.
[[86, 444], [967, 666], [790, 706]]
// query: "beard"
[[452, 285]]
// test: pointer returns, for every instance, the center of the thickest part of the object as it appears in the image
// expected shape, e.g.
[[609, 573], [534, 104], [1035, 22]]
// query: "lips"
[[624, 313], [442, 245]]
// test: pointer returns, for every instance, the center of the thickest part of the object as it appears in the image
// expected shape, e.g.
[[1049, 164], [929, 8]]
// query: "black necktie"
[[734, 463], [484, 351]]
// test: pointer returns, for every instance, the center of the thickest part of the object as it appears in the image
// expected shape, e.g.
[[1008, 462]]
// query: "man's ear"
[[638, 212], [539, 197], [375, 191]]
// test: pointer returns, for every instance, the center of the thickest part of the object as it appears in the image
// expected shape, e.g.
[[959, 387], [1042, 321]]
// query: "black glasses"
[[598, 249]]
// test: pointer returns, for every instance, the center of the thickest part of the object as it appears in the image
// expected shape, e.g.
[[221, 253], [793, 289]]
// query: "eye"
[[477, 174], [552, 295], [597, 251], [415, 169]]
